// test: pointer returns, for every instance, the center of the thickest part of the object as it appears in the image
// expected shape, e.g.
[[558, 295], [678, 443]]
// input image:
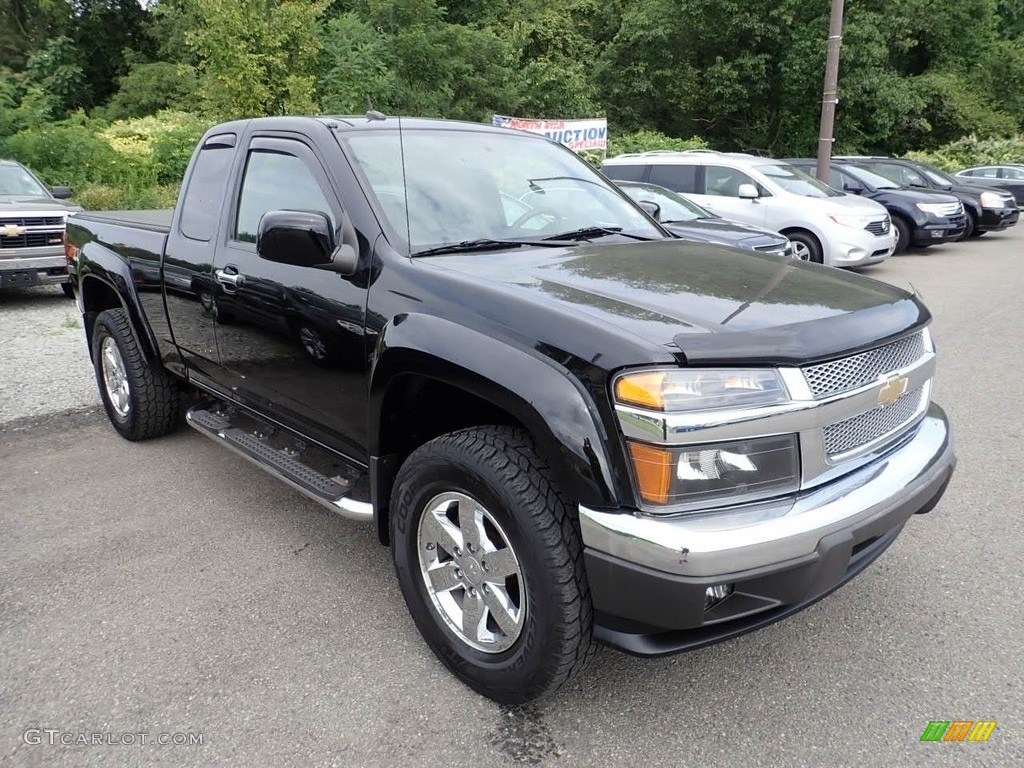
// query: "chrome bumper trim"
[[771, 533]]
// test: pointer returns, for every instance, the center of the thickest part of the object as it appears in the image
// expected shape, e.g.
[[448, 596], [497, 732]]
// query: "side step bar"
[[285, 456]]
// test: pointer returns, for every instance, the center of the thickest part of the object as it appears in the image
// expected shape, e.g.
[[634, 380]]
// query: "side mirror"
[[651, 207], [853, 188], [304, 239], [747, 192], [61, 193]]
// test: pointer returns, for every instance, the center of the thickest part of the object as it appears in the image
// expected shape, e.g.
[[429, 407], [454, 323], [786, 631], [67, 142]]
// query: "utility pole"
[[829, 98]]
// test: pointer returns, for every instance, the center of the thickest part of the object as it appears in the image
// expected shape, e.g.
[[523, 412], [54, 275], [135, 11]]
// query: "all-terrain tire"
[[151, 404], [497, 469]]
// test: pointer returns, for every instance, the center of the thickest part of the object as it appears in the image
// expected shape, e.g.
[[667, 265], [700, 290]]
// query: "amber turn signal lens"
[[653, 468], [642, 389]]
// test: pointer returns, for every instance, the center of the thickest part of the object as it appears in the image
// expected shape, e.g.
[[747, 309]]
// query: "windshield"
[[462, 186], [870, 178], [792, 179], [16, 180], [674, 207], [937, 176]]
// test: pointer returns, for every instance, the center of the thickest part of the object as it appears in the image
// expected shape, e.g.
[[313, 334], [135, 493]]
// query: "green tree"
[[256, 57]]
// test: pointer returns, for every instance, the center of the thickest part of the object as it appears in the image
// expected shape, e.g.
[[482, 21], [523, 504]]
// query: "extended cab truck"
[[32, 220], [569, 427]]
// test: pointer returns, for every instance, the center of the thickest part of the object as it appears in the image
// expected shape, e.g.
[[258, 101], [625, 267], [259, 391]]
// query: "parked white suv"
[[825, 226]]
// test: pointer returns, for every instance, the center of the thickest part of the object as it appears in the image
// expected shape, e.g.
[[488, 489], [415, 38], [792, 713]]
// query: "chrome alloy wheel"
[[801, 251], [471, 573], [115, 377]]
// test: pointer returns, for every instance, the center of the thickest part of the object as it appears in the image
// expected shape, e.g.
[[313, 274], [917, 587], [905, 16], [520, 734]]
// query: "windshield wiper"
[[482, 244], [586, 233]]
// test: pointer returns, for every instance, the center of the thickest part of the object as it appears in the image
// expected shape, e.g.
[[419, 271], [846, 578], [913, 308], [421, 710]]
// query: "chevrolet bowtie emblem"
[[11, 230], [892, 390]]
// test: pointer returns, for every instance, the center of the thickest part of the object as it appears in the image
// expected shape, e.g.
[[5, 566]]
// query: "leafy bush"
[[136, 163], [648, 141], [99, 197], [972, 150]]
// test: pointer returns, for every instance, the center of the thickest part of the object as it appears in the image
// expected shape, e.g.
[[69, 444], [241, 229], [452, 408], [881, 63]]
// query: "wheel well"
[[96, 297], [800, 231], [417, 409]]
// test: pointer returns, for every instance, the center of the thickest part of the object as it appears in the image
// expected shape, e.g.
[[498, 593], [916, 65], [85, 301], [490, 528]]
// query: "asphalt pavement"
[[168, 591]]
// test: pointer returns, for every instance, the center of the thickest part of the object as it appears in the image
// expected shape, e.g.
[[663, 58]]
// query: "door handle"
[[229, 276]]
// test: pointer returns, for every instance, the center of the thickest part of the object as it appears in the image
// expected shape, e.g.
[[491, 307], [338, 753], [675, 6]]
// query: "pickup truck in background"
[[32, 220], [569, 427]]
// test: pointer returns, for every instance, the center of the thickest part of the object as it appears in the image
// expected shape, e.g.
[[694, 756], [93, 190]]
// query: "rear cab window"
[[202, 199]]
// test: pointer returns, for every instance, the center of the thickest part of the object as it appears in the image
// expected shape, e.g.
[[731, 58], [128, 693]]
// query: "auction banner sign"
[[577, 135]]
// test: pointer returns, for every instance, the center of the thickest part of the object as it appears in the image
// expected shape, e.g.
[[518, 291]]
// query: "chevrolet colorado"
[[569, 427]]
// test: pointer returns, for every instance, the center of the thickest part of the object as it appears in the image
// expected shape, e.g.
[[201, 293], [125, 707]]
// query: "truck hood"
[[32, 204], [714, 304]]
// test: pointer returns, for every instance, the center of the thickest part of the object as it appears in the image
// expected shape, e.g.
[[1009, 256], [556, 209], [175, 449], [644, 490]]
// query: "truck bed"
[[153, 220]]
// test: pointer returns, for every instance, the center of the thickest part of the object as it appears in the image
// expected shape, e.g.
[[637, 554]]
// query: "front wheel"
[[140, 398], [902, 234], [806, 247], [489, 560], [972, 225]]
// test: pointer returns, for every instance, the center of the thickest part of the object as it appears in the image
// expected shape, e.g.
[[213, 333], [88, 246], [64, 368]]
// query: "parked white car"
[[825, 226]]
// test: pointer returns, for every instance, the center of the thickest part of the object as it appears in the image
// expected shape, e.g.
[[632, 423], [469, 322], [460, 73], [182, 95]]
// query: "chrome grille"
[[33, 221], [862, 429], [879, 227], [857, 370], [32, 240], [950, 209]]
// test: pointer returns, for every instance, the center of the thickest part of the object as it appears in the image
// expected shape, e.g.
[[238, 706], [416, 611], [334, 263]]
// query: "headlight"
[[936, 209], [693, 389], [991, 200], [725, 473], [857, 221]]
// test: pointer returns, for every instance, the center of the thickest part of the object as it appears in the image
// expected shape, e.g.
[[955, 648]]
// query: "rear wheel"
[[141, 400], [806, 247], [489, 560]]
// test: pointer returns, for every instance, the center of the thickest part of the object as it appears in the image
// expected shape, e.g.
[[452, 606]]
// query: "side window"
[[276, 181], [986, 173], [725, 182], [836, 180], [201, 203], [624, 172], [1012, 173], [681, 178]]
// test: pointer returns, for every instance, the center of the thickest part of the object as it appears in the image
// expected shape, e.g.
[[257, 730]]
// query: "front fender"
[[546, 398]]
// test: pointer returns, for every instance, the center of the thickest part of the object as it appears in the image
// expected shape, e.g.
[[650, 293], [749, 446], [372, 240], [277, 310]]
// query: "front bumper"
[[648, 575], [940, 231], [24, 268], [997, 219], [849, 247]]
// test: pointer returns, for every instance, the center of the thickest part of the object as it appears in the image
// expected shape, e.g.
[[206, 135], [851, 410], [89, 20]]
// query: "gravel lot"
[[44, 366], [169, 587]]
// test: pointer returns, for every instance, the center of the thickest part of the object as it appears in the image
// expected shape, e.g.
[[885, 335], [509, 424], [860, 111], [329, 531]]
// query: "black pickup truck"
[[569, 427]]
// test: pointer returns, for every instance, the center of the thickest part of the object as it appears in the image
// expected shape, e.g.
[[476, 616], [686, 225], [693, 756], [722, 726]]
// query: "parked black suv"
[[988, 209], [920, 217]]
